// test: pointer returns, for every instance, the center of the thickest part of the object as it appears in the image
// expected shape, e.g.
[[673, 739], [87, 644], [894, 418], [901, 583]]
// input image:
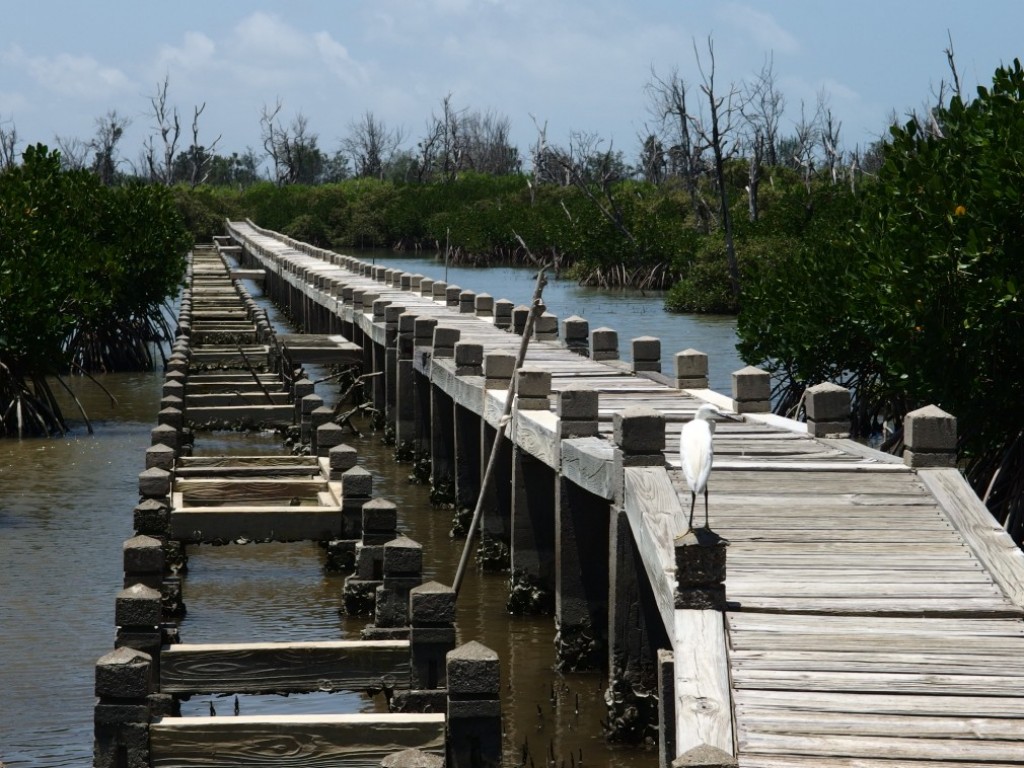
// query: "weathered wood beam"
[[340, 665], [310, 741]]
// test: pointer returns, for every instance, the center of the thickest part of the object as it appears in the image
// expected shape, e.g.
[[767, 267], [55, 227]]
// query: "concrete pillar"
[[545, 327], [328, 437], [155, 484], [577, 410], [646, 354], [532, 582], [581, 581], [691, 369], [828, 410], [751, 390], [307, 405], [432, 636], [469, 358], [402, 570], [124, 681], [444, 341], [467, 302], [576, 335], [639, 436], [503, 313], [468, 467], [341, 458], [474, 707], [520, 314], [320, 416], [604, 344], [484, 305], [380, 519], [533, 389], [929, 437], [635, 633], [451, 295], [439, 291], [442, 447], [404, 389]]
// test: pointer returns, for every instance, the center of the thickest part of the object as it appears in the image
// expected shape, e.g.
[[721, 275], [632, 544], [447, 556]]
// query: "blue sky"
[[572, 64]]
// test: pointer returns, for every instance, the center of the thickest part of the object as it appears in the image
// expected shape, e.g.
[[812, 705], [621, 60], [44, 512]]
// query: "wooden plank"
[[270, 523], [875, 657], [589, 462], [902, 606], [879, 682], [992, 545], [779, 761], [847, 625], [910, 748], [884, 703], [656, 519], [200, 490], [310, 741], [341, 665], [703, 700], [835, 723]]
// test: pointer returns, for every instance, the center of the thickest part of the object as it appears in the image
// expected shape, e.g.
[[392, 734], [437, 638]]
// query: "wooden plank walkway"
[[874, 611]]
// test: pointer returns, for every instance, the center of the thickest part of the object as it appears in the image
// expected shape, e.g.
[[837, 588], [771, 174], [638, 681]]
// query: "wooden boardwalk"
[[874, 614]]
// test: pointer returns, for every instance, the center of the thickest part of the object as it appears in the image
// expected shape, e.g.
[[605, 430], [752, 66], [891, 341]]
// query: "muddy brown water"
[[65, 509]]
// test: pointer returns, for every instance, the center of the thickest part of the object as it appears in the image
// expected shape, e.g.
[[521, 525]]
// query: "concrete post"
[[402, 570], [380, 519], [467, 302], [646, 354], [576, 335], [577, 410], [474, 708], [155, 484], [929, 437], [124, 681], [545, 327], [484, 306], [604, 344], [444, 341], [828, 410], [503, 314], [306, 407], [639, 435], [469, 358], [431, 637], [451, 295], [691, 369], [751, 390], [520, 314], [533, 389]]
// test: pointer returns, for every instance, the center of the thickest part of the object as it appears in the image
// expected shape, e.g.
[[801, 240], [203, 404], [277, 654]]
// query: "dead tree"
[[160, 160], [673, 122], [715, 134], [8, 144]]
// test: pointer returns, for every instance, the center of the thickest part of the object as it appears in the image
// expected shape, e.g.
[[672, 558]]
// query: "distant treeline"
[[622, 233]]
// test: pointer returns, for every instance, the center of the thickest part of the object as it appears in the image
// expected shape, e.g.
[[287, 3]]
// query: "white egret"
[[696, 454]]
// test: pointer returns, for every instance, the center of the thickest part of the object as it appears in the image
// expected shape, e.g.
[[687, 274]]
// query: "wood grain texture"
[[702, 688], [655, 518], [310, 741], [344, 665], [990, 543]]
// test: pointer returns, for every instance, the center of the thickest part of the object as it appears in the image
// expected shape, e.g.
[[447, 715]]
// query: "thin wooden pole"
[[505, 415]]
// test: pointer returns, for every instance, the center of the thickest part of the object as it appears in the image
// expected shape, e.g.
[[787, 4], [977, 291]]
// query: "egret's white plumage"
[[696, 454]]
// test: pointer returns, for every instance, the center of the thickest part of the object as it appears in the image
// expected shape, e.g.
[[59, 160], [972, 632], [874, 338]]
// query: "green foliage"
[[919, 300], [84, 270]]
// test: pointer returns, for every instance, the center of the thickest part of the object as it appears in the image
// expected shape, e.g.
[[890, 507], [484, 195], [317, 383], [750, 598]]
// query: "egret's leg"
[[706, 507], [693, 503]]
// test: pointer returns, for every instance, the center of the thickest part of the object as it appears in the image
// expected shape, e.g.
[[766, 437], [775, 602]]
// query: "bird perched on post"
[[696, 454]]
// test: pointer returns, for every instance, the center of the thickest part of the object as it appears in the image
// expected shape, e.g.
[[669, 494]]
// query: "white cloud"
[[196, 52], [761, 27], [266, 35], [82, 77], [336, 58]]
